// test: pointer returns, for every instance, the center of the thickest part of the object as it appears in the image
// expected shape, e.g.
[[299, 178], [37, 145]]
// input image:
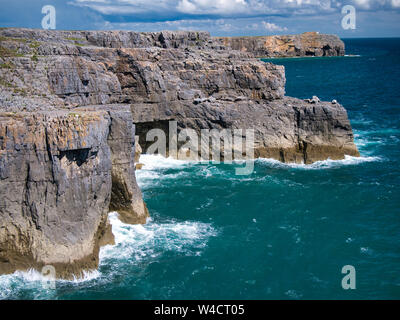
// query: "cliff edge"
[[306, 44], [72, 102]]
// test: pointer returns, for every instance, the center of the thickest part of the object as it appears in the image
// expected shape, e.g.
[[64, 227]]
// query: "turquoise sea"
[[284, 232]]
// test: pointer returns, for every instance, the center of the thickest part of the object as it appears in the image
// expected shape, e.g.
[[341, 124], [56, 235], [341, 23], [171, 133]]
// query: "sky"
[[374, 18]]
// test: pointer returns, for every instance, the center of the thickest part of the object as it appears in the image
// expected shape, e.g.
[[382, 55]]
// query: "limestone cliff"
[[60, 174], [299, 45], [71, 102]]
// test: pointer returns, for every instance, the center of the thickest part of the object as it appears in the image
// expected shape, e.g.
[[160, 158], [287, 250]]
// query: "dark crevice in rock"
[[143, 128], [220, 122], [48, 149], [303, 149], [80, 156], [26, 190], [282, 155]]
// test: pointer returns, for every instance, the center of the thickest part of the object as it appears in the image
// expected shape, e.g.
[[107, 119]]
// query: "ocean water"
[[283, 232]]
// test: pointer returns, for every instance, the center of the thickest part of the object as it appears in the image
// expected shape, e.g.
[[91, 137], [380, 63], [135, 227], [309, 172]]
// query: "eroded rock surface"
[[61, 172], [71, 102], [299, 45], [54, 185]]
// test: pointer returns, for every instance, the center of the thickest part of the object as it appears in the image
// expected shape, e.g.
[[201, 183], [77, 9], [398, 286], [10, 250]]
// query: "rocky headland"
[[72, 102], [307, 44]]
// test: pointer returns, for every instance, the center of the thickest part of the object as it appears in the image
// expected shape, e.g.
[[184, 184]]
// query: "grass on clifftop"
[[6, 52], [76, 41], [7, 65]]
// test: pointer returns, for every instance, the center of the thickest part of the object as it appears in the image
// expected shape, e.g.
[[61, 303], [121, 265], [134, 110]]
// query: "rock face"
[[299, 45], [54, 172], [286, 129], [71, 102], [61, 172], [126, 197]]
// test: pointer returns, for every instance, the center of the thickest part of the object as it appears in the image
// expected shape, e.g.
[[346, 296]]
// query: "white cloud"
[[272, 27], [229, 8], [396, 3], [253, 26], [118, 7], [376, 4], [186, 6], [364, 4], [212, 6]]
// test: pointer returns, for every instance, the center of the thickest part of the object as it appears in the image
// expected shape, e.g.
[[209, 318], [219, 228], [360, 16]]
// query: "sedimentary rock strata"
[[71, 102], [299, 45], [55, 176], [61, 172]]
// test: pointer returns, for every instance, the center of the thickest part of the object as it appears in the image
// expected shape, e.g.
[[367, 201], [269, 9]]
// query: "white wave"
[[147, 178], [87, 275], [33, 280], [348, 160], [360, 141], [375, 132], [150, 174], [134, 243], [152, 162], [30, 275], [5, 287], [11, 285], [325, 164], [33, 275]]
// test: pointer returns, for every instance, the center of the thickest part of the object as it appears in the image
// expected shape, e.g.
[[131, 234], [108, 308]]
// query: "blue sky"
[[374, 18]]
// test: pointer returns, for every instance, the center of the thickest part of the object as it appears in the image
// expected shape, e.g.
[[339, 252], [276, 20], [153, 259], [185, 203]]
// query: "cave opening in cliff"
[[143, 128], [79, 156]]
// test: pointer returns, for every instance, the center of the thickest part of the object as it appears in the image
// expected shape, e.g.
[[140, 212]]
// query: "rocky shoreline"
[[61, 172], [71, 103], [308, 44]]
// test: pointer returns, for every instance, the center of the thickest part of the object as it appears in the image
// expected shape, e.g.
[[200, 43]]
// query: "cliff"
[[71, 103], [61, 172], [299, 45]]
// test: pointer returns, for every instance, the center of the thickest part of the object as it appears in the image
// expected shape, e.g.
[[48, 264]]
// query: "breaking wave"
[[325, 164], [157, 163], [135, 243]]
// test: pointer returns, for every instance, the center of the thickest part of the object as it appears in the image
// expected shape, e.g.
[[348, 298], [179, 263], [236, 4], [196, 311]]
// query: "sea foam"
[[325, 164], [152, 162], [33, 280], [135, 243]]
